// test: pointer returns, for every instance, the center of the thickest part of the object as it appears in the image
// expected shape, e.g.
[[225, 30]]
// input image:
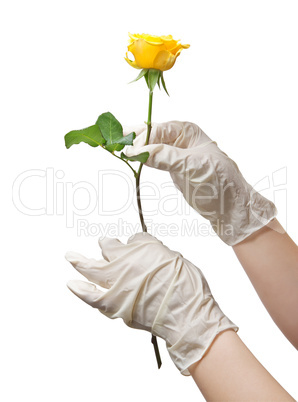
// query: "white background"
[[62, 65]]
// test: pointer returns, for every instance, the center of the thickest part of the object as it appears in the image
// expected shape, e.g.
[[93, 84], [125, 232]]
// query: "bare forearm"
[[270, 259], [230, 372]]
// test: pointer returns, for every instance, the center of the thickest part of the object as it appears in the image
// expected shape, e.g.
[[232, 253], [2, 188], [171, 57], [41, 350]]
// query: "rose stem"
[[144, 227]]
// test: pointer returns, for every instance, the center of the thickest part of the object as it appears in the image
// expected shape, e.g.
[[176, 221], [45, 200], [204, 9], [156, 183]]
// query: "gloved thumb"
[[87, 292], [161, 156], [138, 129]]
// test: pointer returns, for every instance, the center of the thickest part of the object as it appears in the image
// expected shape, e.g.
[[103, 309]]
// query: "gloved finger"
[[166, 133], [178, 134], [139, 142], [93, 270], [145, 239], [142, 237], [161, 133], [88, 292], [162, 156], [111, 248], [138, 129]]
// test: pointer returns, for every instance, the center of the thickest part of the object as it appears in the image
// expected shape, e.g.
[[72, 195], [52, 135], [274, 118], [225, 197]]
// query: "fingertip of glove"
[[68, 255], [108, 241], [72, 285], [101, 241], [71, 256], [141, 237], [80, 287]]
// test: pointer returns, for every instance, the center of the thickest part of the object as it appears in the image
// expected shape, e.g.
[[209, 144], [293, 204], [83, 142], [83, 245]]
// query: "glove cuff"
[[247, 216], [188, 341], [197, 339]]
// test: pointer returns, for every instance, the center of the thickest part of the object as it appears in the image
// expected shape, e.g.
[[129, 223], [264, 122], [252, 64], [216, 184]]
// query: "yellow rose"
[[157, 52]]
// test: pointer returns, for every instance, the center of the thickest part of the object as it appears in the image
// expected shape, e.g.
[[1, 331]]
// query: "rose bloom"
[[158, 52]]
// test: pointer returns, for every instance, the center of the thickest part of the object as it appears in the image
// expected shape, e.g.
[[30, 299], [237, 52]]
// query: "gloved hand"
[[155, 289], [208, 179]]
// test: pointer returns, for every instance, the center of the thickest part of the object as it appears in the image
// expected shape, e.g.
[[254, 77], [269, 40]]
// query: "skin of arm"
[[270, 259], [230, 372]]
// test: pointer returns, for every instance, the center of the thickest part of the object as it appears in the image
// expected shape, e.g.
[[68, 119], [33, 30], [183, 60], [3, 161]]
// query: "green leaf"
[[153, 78], [164, 84], [90, 135], [142, 73], [142, 157], [112, 132], [127, 139]]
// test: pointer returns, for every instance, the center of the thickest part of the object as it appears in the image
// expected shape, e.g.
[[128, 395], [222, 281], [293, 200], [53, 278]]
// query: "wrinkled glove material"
[[209, 180], [155, 289]]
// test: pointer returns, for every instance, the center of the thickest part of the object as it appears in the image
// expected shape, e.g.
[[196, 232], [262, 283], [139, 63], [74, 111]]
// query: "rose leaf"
[[112, 132], [90, 135]]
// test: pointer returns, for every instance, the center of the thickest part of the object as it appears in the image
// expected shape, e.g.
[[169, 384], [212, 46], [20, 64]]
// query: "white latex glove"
[[208, 179], [155, 289]]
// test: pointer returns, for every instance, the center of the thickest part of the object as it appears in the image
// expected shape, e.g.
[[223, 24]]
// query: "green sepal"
[[146, 79], [142, 73], [158, 82], [153, 76], [142, 157], [163, 83], [112, 132], [90, 135]]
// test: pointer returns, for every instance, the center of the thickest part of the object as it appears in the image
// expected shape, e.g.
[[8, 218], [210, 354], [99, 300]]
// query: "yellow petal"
[[132, 36], [153, 40], [144, 52], [178, 46], [164, 60], [159, 52], [132, 63], [167, 38], [170, 44]]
